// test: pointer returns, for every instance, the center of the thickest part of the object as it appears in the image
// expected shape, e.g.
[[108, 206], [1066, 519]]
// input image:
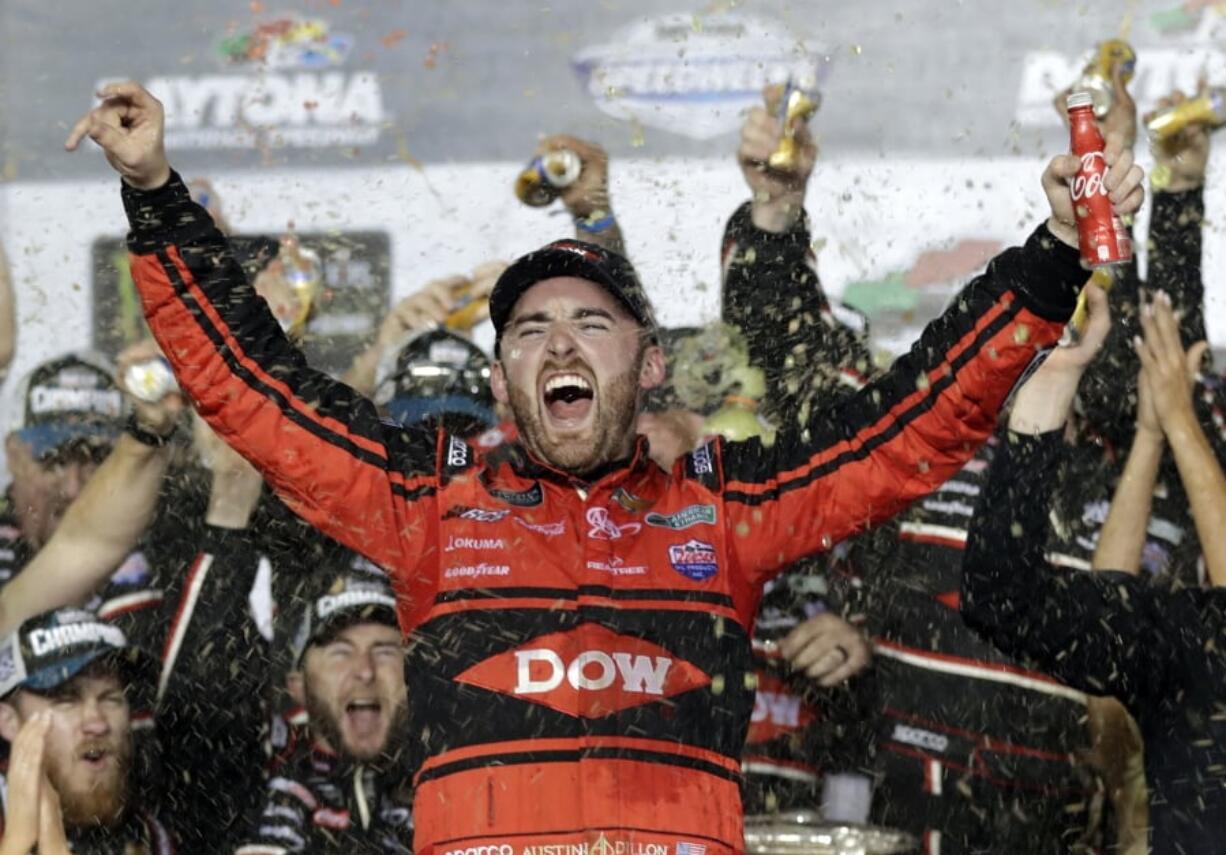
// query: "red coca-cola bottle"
[[1101, 234]]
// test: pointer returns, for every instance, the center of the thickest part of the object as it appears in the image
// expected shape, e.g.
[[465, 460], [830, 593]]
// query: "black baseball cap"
[[443, 378], [73, 397], [569, 257], [52, 648], [348, 591]]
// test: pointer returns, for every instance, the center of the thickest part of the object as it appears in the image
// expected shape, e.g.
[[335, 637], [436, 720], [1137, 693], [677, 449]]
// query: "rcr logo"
[[484, 515], [543, 671], [603, 528], [920, 738]]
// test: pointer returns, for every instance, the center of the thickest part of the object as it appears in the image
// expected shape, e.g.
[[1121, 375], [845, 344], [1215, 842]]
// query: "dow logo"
[[589, 671]]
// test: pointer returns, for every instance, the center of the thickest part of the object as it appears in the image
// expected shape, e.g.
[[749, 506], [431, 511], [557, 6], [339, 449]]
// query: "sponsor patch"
[[474, 571], [694, 559], [702, 460], [604, 528], [618, 567], [478, 543], [549, 529], [588, 671], [920, 738], [457, 453], [529, 498], [684, 518], [484, 515]]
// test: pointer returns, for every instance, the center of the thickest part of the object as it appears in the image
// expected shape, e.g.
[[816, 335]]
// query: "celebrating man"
[[579, 665], [330, 789], [81, 672]]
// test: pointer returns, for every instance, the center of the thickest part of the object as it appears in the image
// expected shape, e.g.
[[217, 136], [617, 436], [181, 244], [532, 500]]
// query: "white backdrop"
[[870, 217]]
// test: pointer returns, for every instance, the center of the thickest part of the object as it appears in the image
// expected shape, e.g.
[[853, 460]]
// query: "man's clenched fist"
[[1123, 182], [129, 125]]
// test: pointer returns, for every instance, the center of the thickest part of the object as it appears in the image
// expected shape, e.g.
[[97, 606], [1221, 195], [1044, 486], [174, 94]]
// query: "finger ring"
[[843, 650]]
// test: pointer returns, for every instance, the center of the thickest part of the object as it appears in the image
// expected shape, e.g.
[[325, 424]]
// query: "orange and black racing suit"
[[579, 664]]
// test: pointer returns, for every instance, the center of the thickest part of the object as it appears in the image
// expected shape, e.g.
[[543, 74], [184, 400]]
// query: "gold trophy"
[[471, 309], [1098, 76], [795, 107], [303, 273]]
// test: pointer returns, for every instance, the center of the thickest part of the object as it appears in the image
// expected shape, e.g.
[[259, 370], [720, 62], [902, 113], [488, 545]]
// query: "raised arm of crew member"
[[1177, 221], [770, 289], [1090, 630], [1122, 538], [588, 200], [1169, 372], [846, 467], [318, 443], [105, 522]]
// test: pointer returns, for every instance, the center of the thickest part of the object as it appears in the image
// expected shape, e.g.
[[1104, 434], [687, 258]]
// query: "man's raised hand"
[[778, 195], [1123, 180], [129, 126]]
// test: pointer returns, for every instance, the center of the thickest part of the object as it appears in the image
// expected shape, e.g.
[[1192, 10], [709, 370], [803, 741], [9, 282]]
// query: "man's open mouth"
[[568, 397], [365, 715], [96, 758]]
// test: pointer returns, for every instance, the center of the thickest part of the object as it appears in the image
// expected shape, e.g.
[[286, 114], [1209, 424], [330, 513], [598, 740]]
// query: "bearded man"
[[83, 673]]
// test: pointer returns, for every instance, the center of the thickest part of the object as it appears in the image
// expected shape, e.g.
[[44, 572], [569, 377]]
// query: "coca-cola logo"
[[1089, 180], [589, 671]]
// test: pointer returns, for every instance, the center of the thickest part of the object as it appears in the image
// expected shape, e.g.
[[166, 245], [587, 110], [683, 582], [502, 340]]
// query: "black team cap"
[[610, 271]]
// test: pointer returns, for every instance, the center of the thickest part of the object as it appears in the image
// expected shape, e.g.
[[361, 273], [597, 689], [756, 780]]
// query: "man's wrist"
[[777, 216], [595, 222], [149, 435], [156, 180], [1043, 404], [1180, 424], [1149, 437], [1178, 185], [1064, 232]]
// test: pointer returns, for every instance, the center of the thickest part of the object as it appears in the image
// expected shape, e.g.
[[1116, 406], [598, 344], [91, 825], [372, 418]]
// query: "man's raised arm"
[[318, 443], [908, 432]]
